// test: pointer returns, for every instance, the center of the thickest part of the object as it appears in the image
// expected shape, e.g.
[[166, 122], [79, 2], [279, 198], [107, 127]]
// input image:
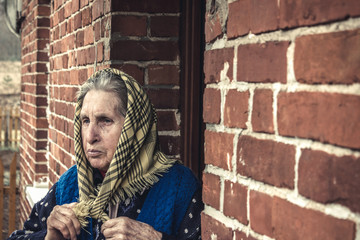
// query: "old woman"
[[123, 186]]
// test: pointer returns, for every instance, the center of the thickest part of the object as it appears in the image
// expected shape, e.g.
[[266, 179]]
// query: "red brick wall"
[[282, 114], [75, 39], [34, 78]]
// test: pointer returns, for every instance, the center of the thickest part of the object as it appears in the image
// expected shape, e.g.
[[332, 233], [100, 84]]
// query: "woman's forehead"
[[98, 101]]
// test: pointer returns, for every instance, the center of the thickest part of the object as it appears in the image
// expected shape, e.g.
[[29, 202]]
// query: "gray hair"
[[108, 82]]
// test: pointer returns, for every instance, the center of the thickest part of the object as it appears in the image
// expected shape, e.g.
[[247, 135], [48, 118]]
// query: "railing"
[[9, 191], [9, 127]]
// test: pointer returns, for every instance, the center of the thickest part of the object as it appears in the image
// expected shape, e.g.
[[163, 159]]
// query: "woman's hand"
[[126, 228], [62, 223]]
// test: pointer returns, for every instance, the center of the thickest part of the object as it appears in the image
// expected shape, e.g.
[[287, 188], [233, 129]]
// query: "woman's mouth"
[[94, 153]]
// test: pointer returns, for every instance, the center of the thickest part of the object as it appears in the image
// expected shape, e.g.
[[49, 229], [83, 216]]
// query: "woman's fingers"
[[126, 228], [63, 220]]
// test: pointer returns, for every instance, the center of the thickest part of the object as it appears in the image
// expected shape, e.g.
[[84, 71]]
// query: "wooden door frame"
[[192, 84]]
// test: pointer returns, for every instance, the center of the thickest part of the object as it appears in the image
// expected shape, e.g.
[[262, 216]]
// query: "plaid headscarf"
[[136, 164]]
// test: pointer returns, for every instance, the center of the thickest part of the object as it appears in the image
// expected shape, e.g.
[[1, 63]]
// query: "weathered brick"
[[133, 70], [294, 222], [262, 112], [235, 201], [266, 161], [212, 27], [100, 52], [216, 61], [170, 145], [236, 109], [211, 190], [155, 6], [164, 75], [325, 117], [239, 12], [270, 57], [86, 16], [311, 12], [212, 101], [264, 16], [243, 236], [129, 25], [167, 121], [97, 9], [157, 97], [329, 179], [164, 26], [261, 213], [145, 50], [88, 35], [219, 149], [213, 229], [331, 58]]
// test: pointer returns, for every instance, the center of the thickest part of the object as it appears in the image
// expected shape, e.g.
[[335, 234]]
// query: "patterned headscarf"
[[137, 162]]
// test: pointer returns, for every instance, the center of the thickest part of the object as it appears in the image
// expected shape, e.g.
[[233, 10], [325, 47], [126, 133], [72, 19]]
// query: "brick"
[[243, 236], [97, 9], [294, 222], [170, 145], [262, 112], [77, 20], [86, 16], [211, 190], [133, 70], [213, 229], [84, 3], [239, 12], [129, 25], [164, 75], [67, 9], [75, 6], [270, 57], [213, 27], [330, 179], [235, 201], [266, 161], [264, 16], [145, 50], [303, 13], [168, 121], [261, 213], [164, 26], [155, 6], [236, 109], [211, 109], [88, 35], [331, 58], [325, 117], [157, 97], [100, 52], [97, 31], [216, 61], [79, 39], [219, 149]]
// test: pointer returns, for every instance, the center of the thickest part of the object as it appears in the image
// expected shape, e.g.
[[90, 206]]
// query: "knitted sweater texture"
[[165, 204]]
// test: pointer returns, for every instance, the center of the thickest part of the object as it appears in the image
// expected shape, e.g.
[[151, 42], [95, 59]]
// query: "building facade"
[[260, 98]]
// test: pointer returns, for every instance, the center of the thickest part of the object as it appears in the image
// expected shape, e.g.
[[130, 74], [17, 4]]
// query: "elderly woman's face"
[[101, 127]]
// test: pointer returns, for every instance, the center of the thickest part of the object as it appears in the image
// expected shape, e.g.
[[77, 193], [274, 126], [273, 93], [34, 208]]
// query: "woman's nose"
[[93, 133]]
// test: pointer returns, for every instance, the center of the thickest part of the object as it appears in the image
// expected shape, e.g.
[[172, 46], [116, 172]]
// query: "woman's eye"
[[85, 121], [106, 120]]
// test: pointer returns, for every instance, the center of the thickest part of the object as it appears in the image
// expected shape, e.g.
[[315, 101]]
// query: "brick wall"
[[76, 38], [282, 111], [34, 78]]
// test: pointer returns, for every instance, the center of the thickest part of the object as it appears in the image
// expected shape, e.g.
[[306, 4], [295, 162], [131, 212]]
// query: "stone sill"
[[36, 192]]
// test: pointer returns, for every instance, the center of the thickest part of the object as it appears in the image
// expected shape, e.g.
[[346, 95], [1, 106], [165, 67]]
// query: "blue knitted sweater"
[[165, 204]]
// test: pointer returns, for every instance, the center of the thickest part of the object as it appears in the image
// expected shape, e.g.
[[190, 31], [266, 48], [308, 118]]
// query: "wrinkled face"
[[101, 127]]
